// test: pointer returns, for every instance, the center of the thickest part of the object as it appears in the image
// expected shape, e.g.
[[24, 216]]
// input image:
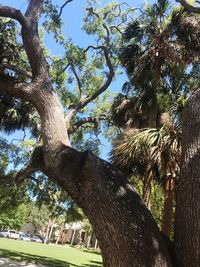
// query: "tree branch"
[[31, 41], [94, 120], [76, 76], [92, 12], [25, 173], [16, 69], [189, 8], [30, 35], [9, 12], [34, 10], [110, 75], [63, 6], [22, 90]]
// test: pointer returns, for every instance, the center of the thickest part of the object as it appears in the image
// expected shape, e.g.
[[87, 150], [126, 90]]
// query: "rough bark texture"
[[125, 229], [146, 194], [187, 223], [127, 233], [167, 219]]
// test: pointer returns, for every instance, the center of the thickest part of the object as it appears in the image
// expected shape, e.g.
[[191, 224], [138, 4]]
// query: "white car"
[[11, 234]]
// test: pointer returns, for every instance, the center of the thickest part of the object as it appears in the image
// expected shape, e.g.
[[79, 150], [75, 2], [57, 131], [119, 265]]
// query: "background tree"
[[159, 83]]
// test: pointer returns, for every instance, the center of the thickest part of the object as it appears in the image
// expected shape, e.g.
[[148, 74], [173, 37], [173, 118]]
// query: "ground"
[[48, 255]]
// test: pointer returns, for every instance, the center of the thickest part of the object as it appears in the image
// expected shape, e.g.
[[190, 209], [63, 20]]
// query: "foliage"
[[13, 217]]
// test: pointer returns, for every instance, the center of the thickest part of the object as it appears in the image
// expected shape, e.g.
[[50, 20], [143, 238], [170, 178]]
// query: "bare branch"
[[110, 76], [76, 76], [94, 120], [118, 6], [26, 173], [63, 70], [63, 6], [92, 12], [16, 69], [189, 8], [19, 177], [9, 12], [117, 28]]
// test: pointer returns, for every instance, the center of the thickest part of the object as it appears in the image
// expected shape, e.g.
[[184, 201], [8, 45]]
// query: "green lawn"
[[49, 255]]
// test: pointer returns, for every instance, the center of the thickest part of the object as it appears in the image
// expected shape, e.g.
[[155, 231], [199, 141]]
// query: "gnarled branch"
[[189, 8], [94, 120], [10, 12], [63, 6], [110, 76]]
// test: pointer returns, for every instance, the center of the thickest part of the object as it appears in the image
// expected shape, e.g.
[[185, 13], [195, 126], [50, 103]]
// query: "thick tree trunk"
[[167, 218], [125, 229], [187, 222]]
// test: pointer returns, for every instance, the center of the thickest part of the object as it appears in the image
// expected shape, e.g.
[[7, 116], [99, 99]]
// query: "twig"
[[63, 6]]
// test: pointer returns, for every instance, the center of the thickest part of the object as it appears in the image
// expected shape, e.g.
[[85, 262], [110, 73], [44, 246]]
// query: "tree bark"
[[127, 234], [167, 218], [187, 221], [146, 194], [125, 229]]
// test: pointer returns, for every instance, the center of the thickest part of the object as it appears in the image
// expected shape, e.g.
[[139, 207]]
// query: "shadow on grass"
[[93, 264], [50, 262]]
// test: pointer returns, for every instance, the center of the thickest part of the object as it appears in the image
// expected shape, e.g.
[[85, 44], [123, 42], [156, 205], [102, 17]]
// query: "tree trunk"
[[127, 234], [146, 195], [73, 236], [187, 222], [89, 239], [167, 218], [125, 229], [96, 244], [60, 234], [47, 230], [51, 229]]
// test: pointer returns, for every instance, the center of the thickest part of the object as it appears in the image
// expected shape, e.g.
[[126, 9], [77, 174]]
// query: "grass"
[[49, 255]]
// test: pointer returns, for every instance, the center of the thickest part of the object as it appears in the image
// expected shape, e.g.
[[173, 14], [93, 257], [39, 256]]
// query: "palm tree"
[[152, 149], [154, 50]]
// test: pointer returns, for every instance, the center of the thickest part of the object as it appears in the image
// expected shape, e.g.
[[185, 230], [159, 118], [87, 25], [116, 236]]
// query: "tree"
[[187, 230], [115, 210], [14, 218], [154, 153]]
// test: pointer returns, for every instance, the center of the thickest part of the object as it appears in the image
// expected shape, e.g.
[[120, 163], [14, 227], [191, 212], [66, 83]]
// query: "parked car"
[[13, 234], [10, 234], [24, 237], [35, 238], [39, 239], [3, 233]]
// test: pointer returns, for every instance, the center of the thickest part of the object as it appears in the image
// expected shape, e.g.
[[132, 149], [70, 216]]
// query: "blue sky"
[[73, 15]]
